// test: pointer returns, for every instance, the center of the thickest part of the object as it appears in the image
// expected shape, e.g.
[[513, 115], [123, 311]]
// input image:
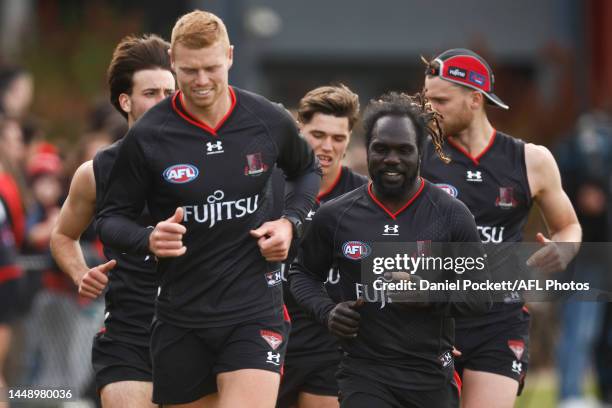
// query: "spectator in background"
[[16, 91], [11, 233], [585, 162]]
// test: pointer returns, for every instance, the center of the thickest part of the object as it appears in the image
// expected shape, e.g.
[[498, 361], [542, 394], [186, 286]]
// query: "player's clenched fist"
[[274, 239], [166, 240], [343, 320], [94, 281]]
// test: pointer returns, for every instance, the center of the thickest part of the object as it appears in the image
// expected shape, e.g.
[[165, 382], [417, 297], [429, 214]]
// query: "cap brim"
[[494, 100]]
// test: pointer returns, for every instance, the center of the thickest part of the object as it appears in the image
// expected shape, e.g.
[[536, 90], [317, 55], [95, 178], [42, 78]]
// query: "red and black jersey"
[[309, 337], [221, 178], [132, 283], [494, 187], [397, 345], [9, 270]]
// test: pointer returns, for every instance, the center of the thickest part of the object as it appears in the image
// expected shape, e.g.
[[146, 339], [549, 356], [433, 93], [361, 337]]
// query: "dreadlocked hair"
[[431, 119], [417, 108]]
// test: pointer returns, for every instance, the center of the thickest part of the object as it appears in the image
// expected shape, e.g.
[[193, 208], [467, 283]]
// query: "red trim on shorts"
[[458, 382], [189, 117], [9, 272], [331, 188], [474, 159], [395, 214], [286, 314]]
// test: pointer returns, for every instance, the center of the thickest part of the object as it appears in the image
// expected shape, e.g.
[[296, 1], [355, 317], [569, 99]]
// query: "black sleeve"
[[301, 168], [308, 273], [465, 243], [125, 199]]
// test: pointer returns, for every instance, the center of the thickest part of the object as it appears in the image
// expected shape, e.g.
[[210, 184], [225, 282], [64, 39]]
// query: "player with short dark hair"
[[395, 354], [326, 116], [201, 161], [139, 76], [498, 177]]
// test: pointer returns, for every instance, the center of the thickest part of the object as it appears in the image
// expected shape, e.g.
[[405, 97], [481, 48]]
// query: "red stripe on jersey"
[[11, 196], [475, 159], [9, 272], [189, 117], [286, 314], [395, 214], [457, 382], [331, 188]]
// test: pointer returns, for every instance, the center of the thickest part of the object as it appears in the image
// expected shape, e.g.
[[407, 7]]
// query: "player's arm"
[[547, 191], [307, 276], [303, 178], [124, 201], [74, 218]]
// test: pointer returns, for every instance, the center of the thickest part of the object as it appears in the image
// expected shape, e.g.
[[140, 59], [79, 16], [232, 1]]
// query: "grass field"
[[541, 390]]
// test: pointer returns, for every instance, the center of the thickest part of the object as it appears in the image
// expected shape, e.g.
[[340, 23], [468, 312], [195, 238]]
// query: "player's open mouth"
[[392, 176], [324, 159]]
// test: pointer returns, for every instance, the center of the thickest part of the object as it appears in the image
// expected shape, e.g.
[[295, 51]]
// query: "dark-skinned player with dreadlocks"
[[498, 177], [395, 353]]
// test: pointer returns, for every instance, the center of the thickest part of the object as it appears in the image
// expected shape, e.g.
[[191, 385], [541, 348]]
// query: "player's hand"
[[92, 284], [274, 239], [166, 240], [551, 257], [343, 320]]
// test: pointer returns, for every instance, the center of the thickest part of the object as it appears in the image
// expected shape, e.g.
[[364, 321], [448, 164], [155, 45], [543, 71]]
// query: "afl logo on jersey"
[[181, 173], [356, 250], [452, 190]]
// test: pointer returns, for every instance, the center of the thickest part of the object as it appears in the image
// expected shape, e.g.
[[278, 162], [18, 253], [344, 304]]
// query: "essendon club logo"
[[255, 165], [180, 173], [506, 198], [517, 347], [356, 250], [272, 338]]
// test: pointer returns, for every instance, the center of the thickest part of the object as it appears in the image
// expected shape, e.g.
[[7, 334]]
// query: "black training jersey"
[[407, 347], [9, 269], [494, 187], [221, 178], [309, 337], [132, 283]]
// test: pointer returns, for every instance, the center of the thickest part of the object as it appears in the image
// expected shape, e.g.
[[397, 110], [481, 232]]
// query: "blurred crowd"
[[46, 338]]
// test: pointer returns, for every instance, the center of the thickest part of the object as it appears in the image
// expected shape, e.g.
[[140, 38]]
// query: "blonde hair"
[[198, 29]]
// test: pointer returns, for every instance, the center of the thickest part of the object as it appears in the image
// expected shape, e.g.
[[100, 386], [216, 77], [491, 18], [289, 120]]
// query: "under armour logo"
[[517, 367], [475, 176], [391, 230], [214, 148], [310, 215], [273, 358]]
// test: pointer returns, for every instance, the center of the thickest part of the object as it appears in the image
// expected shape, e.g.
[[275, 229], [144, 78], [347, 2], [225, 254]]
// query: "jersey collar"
[[179, 107], [410, 201], [474, 159], [331, 188]]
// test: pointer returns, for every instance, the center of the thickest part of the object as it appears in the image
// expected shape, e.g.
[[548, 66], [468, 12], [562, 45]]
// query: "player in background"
[[498, 177], [326, 117], [139, 76], [395, 353], [201, 161]]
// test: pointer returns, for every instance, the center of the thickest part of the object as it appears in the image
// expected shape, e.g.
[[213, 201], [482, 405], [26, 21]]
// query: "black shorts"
[[9, 301], [360, 392], [186, 361], [316, 377], [500, 348], [115, 361]]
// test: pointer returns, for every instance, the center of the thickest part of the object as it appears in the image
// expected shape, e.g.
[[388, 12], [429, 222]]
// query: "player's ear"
[[476, 100], [230, 55], [125, 102]]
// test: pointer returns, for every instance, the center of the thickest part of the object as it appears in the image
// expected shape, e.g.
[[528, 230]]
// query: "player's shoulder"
[[260, 106], [153, 119], [107, 152], [443, 202], [353, 179], [336, 206]]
